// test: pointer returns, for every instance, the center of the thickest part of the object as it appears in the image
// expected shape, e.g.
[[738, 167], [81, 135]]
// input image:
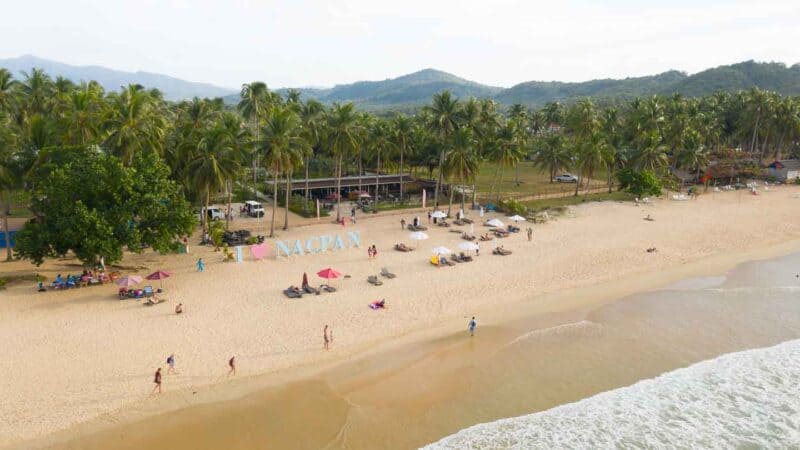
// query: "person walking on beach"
[[326, 338], [157, 381], [472, 325], [374, 252], [200, 266], [429, 217], [530, 234], [171, 364], [232, 365], [402, 224]]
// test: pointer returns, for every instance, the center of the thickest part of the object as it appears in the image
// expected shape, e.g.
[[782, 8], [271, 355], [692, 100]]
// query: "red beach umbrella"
[[328, 273], [129, 281], [159, 275]]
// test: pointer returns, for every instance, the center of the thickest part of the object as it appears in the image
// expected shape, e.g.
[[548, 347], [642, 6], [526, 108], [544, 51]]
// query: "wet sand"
[[524, 362]]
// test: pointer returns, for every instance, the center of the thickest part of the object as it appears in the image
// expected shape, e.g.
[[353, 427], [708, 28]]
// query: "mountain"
[[112, 80], [410, 92]]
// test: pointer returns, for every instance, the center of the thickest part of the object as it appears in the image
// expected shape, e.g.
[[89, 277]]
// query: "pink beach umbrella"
[[129, 281], [328, 274], [159, 275]]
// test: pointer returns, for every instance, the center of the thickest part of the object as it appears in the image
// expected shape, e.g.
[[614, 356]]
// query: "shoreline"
[[431, 341], [572, 296]]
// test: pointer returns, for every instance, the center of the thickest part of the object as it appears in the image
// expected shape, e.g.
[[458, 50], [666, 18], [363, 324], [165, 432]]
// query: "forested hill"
[[409, 92], [111, 80], [414, 90]]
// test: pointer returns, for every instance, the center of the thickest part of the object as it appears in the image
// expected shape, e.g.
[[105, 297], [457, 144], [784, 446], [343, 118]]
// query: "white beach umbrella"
[[468, 246], [441, 251], [517, 218], [495, 223], [418, 236], [438, 215]]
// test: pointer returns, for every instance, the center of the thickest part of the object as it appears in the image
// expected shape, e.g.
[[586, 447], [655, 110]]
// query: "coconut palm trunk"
[[228, 184], [205, 213], [499, 187], [438, 180], [6, 201], [377, 185], [305, 204], [339, 188], [288, 198], [274, 204], [401, 173]]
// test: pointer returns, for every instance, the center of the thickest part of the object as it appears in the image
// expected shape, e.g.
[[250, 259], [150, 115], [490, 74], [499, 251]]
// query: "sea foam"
[[748, 399]]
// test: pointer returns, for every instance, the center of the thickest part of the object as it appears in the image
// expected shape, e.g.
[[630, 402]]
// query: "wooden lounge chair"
[[310, 290], [373, 280], [485, 238], [466, 221], [464, 258], [501, 233], [445, 262], [501, 251], [417, 228], [327, 288], [467, 237], [385, 272], [444, 224], [458, 222]]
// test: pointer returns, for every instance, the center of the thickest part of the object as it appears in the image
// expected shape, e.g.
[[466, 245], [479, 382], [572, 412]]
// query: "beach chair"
[[501, 233], [310, 290], [385, 272], [458, 222], [148, 291], [466, 221], [444, 223], [327, 288], [445, 262], [373, 280], [455, 258], [501, 251], [465, 258], [467, 237]]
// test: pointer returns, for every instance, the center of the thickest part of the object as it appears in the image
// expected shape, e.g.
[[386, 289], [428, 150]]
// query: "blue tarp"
[[3, 239]]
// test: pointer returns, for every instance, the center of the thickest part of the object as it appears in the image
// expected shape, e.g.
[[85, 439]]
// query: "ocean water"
[[748, 399]]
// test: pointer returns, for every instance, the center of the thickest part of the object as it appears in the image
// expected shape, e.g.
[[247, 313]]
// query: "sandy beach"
[[81, 355]]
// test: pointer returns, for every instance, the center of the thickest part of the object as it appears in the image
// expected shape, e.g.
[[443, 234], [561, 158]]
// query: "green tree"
[[94, 206], [444, 117], [343, 141]]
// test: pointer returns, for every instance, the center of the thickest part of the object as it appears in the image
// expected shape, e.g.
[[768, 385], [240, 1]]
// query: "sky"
[[304, 43]]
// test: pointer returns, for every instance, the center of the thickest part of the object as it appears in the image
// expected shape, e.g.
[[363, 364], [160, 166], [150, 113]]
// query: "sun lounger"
[[385, 272], [310, 290], [458, 222], [445, 262], [403, 248], [467, 237], [373, 280], [455, 231], [501, 233], [466, 221], [486, 238], [501, 252], [327, 288], [455, 258], [444, 224], [148, 291], [417, 228], [292, 293], [464, 258], [513, 229]]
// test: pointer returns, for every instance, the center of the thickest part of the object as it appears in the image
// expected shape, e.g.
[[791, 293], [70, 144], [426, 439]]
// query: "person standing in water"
[[326, 338], [232, 365], [472, 325]]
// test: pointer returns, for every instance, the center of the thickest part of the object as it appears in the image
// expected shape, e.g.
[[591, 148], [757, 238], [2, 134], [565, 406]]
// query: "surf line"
[[317, 244]]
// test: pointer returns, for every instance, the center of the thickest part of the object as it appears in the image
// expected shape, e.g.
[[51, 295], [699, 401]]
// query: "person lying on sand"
[[649, 219], [652, 250]]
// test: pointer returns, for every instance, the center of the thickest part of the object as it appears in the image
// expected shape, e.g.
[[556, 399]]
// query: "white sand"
[[71, 356]]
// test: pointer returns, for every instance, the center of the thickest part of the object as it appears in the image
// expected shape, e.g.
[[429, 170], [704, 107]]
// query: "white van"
[[213, 213], [253, 209]]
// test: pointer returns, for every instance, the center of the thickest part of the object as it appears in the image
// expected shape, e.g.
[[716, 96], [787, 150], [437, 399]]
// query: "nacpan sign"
[[317, 244]]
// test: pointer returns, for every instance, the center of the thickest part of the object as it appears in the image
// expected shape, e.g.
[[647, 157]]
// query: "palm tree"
[[134, 123], [312, 115], [402, 136], [283, 146], [462, 160], [214, 163], [37, 89], [551, 155], [343, 141], [253, 104], [506, 152], [444, 119], [9, 175]]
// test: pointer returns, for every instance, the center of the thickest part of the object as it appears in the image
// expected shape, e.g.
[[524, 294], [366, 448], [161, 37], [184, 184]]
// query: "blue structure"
[[3, 241]]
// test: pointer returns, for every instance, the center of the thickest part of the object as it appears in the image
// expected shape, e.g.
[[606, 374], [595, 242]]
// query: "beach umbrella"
[[418, 236], [159, 275], [468, 246], [517, 218], [495, 223], [438, 215], [441, 251], [328, 274], [129, 281]]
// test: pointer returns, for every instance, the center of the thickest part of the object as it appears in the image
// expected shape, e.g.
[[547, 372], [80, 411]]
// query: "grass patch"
[[532, 181], [6, 280], [560, 204]]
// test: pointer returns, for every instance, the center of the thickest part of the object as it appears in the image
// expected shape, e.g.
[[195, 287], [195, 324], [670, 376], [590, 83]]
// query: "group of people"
[[171, 370], [372, 251]]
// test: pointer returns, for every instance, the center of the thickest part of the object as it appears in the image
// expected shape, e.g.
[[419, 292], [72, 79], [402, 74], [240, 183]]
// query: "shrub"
[[296, 203], [641, 183], [512, 206]]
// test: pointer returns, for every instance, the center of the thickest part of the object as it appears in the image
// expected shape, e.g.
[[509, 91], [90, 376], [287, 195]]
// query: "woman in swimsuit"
[[157, 381]]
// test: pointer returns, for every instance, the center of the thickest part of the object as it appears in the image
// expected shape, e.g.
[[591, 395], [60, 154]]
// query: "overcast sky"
[[320, 43]]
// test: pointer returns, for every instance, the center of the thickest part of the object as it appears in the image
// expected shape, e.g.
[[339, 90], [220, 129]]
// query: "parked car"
[[213, 213], [567, 178], [253, 209]]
